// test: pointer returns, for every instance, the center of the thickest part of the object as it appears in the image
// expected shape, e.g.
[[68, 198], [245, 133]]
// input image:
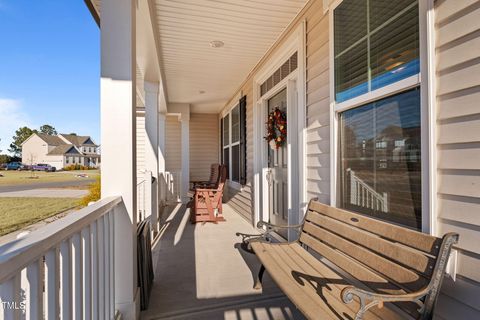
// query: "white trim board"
[[426, 80], [295, 83]]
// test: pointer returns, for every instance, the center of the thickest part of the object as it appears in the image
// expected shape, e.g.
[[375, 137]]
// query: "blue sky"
[[49, 67]]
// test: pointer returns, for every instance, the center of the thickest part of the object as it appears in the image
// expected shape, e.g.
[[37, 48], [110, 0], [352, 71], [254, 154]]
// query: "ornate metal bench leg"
[[258, 281]]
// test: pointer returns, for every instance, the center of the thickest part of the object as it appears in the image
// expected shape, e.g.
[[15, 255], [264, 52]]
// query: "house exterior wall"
[[458, 152], [317, 109], [173, 144], [204, 144], [35, 150], [458, 136]]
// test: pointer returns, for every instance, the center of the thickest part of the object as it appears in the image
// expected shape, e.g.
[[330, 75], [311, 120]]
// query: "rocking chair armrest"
[[370, 299]]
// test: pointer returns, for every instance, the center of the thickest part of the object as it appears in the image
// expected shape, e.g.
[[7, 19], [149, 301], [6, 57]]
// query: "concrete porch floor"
[[202, 272]]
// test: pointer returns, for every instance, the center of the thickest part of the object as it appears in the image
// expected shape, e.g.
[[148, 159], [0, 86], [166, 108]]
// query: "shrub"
[[77, 167], [94, 193]]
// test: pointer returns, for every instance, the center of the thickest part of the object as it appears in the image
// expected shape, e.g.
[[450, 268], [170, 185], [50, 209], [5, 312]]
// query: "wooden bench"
[[346, 266]]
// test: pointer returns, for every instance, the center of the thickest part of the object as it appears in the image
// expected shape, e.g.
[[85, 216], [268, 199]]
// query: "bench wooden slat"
[[300, 297], [403, 277], [415, 260], [420, 241], [368, 277], [332, 282]]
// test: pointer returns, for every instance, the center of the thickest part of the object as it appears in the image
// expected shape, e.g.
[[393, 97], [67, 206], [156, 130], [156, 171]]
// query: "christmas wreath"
[[276, 128]]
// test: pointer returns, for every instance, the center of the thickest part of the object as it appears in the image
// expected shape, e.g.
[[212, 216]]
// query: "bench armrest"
[[378, 299], [269, 228]]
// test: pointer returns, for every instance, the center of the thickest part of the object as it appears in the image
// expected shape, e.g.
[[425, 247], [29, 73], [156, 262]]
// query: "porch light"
[[216, 44]]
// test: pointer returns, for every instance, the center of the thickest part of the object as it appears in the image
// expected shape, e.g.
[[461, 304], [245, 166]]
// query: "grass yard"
[[16, 213], [27, 177]]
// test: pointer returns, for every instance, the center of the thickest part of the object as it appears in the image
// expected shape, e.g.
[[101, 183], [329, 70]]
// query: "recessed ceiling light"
[[217, 44]]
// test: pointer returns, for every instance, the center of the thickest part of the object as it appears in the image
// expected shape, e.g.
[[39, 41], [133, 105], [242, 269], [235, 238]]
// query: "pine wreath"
[[277, 128]]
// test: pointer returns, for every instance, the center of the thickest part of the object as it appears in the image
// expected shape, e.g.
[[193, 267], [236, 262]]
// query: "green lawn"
[[16, 213], [27, 177]]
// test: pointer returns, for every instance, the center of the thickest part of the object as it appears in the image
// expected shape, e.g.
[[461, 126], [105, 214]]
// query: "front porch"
[[202, 272]]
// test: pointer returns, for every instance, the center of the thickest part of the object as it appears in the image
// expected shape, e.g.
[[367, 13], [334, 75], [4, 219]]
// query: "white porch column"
[[185, 120], [119, 138], [151, 147], [161, 159]]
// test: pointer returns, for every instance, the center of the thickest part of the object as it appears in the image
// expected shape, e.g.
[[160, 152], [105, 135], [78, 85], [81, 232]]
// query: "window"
[[234, 142], [231, 139], [380, 159], [376, 43]]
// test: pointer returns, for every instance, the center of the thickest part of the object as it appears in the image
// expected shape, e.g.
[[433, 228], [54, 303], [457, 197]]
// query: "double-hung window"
[[234, 142], [377, 99], [231, 143]]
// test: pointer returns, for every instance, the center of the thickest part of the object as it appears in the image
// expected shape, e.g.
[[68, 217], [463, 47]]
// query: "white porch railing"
[[363, 195], [63, 270], [141, 199], [170, 185]]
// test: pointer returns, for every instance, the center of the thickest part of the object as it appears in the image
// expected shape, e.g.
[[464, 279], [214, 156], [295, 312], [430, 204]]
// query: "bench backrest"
[[383, 256]]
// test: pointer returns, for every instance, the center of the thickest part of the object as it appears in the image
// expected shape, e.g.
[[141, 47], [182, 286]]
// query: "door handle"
[[269, 177]]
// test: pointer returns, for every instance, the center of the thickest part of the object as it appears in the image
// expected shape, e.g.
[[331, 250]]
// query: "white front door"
[[277, 169]]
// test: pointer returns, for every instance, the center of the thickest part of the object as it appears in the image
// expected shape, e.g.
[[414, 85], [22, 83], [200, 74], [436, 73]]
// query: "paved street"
[[50, 185], [46, 193]]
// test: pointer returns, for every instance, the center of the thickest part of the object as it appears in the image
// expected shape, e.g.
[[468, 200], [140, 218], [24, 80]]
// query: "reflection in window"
[[380, 159], [376, 43]]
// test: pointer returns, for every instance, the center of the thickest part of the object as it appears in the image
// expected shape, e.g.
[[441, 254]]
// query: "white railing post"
[[118, 133], [51, 284], [152, 146], [148, 195], [34, 290]]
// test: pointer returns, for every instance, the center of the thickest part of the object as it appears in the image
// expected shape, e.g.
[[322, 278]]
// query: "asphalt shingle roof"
[[62, 149]]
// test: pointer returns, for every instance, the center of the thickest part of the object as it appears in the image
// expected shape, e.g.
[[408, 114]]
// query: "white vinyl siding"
[[173, 144], [458, 152], [204, 144]]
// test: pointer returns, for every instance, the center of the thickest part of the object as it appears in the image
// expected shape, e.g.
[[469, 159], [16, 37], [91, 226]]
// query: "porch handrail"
[[363, 195], [69, 263]]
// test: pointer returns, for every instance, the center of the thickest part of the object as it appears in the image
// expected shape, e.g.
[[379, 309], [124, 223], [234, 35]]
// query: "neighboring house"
[[60, 151]]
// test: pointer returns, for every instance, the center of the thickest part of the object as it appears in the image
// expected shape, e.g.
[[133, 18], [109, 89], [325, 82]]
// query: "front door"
[[277, 173]]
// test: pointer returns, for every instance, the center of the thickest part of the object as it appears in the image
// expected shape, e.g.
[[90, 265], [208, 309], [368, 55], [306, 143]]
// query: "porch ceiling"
[[190, 65]]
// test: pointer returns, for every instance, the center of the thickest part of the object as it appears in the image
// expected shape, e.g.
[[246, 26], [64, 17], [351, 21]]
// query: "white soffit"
[[187, 27]]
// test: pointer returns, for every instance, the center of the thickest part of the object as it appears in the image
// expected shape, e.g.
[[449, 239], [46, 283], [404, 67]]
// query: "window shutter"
[[243, 140], [221, 140]]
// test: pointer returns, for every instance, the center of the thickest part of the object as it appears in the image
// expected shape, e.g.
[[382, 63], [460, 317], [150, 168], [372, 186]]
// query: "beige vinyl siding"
[[317, 108], [204, 144], [140, 142], [173, 144], [458, 152]]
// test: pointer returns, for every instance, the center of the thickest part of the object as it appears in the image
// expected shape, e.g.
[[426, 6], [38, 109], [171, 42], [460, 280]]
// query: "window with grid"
[[376, 45]]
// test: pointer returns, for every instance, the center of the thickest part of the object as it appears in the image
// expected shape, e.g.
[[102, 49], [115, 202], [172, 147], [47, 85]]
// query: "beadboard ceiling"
[[190, 65], [186, 28]]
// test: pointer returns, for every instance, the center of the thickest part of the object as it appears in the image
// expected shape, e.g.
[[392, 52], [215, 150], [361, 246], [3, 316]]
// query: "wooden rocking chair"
[[206, 204], [212, 181]]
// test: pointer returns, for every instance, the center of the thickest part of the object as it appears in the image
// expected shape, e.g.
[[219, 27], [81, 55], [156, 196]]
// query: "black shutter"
[[243, 140], [221, 140]]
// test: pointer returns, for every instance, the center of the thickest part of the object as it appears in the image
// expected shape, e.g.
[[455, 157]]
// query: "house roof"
[[78, 140], [62, 149], [51, 140]]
